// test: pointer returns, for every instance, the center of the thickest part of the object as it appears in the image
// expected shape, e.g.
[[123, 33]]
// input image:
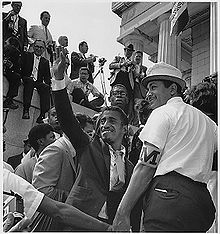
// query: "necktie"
[[15, 24], [46, 33], [35, 70], [117, 179]]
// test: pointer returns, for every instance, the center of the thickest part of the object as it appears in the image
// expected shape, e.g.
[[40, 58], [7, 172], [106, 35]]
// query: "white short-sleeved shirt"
[[31, 196], [186, 137]]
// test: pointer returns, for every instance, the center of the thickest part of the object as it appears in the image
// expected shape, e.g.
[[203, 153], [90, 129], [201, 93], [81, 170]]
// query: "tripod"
[[102, 79]]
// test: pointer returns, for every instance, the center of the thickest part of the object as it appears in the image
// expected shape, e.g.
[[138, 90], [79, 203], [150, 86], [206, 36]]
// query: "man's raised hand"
[[59, 67]]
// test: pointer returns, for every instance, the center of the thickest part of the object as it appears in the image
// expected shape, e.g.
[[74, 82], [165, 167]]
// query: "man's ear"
[[125, 129], [173, 89], [40, 141]]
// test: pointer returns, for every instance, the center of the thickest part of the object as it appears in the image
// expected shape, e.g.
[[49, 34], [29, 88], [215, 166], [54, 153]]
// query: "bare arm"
[[142, 176], [70, 215]]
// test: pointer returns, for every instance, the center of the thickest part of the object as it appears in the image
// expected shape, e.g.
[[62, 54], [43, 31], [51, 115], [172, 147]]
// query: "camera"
[[17, 217], [102, 61]]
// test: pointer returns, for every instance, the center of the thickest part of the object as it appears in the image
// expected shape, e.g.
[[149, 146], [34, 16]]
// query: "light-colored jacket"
[[38, 32], [55, 172]]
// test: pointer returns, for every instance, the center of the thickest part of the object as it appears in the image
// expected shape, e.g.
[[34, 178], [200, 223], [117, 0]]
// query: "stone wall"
[[200, 51]]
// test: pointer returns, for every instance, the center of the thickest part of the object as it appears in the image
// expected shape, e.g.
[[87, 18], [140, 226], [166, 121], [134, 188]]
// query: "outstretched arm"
[[66, 117], [70, 215]]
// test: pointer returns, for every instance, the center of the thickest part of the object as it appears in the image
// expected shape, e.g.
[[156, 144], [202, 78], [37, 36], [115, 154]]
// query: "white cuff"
[[57, 84]]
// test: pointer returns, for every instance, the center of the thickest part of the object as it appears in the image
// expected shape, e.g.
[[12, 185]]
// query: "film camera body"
[[102, 61]]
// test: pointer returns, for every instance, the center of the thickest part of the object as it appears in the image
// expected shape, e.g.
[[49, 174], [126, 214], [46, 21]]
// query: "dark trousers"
[[78, 96], [185, 207], [14, 80], [123, 78], [43, 90]]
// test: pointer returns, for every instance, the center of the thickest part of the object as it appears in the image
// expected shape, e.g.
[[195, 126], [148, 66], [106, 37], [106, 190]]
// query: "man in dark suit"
[[103, 168], [12, 70], [15, 25], [79, 60], [139, 72], [15, 160], [35, 71]]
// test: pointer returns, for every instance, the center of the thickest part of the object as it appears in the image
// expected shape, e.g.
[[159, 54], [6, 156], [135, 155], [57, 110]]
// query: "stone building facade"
[[147, 26]]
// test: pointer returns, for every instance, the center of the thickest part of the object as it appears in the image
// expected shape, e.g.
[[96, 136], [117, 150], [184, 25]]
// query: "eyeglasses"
[[39, 47], [119, 93]]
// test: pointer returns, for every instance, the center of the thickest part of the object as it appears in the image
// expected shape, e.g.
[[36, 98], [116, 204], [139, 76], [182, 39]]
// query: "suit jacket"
[[78, 61], [43, 68], [25, 170], [139, 90], [13, 56], [22, 30], [38, 32], [15, 160], [54, 173], [91, 188]]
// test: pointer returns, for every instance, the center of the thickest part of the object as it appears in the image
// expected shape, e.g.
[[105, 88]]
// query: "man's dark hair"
[[84, 68], [42, 14], [16, 2], [83, 119], [13, 41], [123, 116], [38, 132], [120, 86], [40, 41], [82, 43], [204, 97], [139, 52], [167, 84]]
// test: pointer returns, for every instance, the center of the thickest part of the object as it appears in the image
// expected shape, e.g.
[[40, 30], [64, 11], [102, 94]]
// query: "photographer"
[[122, 70], [12, 70], [79, 60]]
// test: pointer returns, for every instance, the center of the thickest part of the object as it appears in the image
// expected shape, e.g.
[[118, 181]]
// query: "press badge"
[[150, 156]]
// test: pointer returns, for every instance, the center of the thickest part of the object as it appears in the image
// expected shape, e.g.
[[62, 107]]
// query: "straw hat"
[[164, 71]]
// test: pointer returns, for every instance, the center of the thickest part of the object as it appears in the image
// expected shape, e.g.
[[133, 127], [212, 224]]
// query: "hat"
[[129, 47], [164, 71]]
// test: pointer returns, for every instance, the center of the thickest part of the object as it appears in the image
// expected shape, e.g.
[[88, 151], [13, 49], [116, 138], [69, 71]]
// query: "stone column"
[[169, 47], [213, 37]]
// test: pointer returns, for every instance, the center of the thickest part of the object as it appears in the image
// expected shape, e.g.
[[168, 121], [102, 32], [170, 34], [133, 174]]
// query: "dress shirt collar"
[[115, 152], [37, 57], [175, 100]]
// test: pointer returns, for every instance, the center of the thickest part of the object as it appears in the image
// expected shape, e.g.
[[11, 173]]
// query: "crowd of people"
[[92, 173]]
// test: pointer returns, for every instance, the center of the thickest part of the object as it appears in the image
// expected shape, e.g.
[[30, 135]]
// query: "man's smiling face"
[[112, 129], [157, 94]]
